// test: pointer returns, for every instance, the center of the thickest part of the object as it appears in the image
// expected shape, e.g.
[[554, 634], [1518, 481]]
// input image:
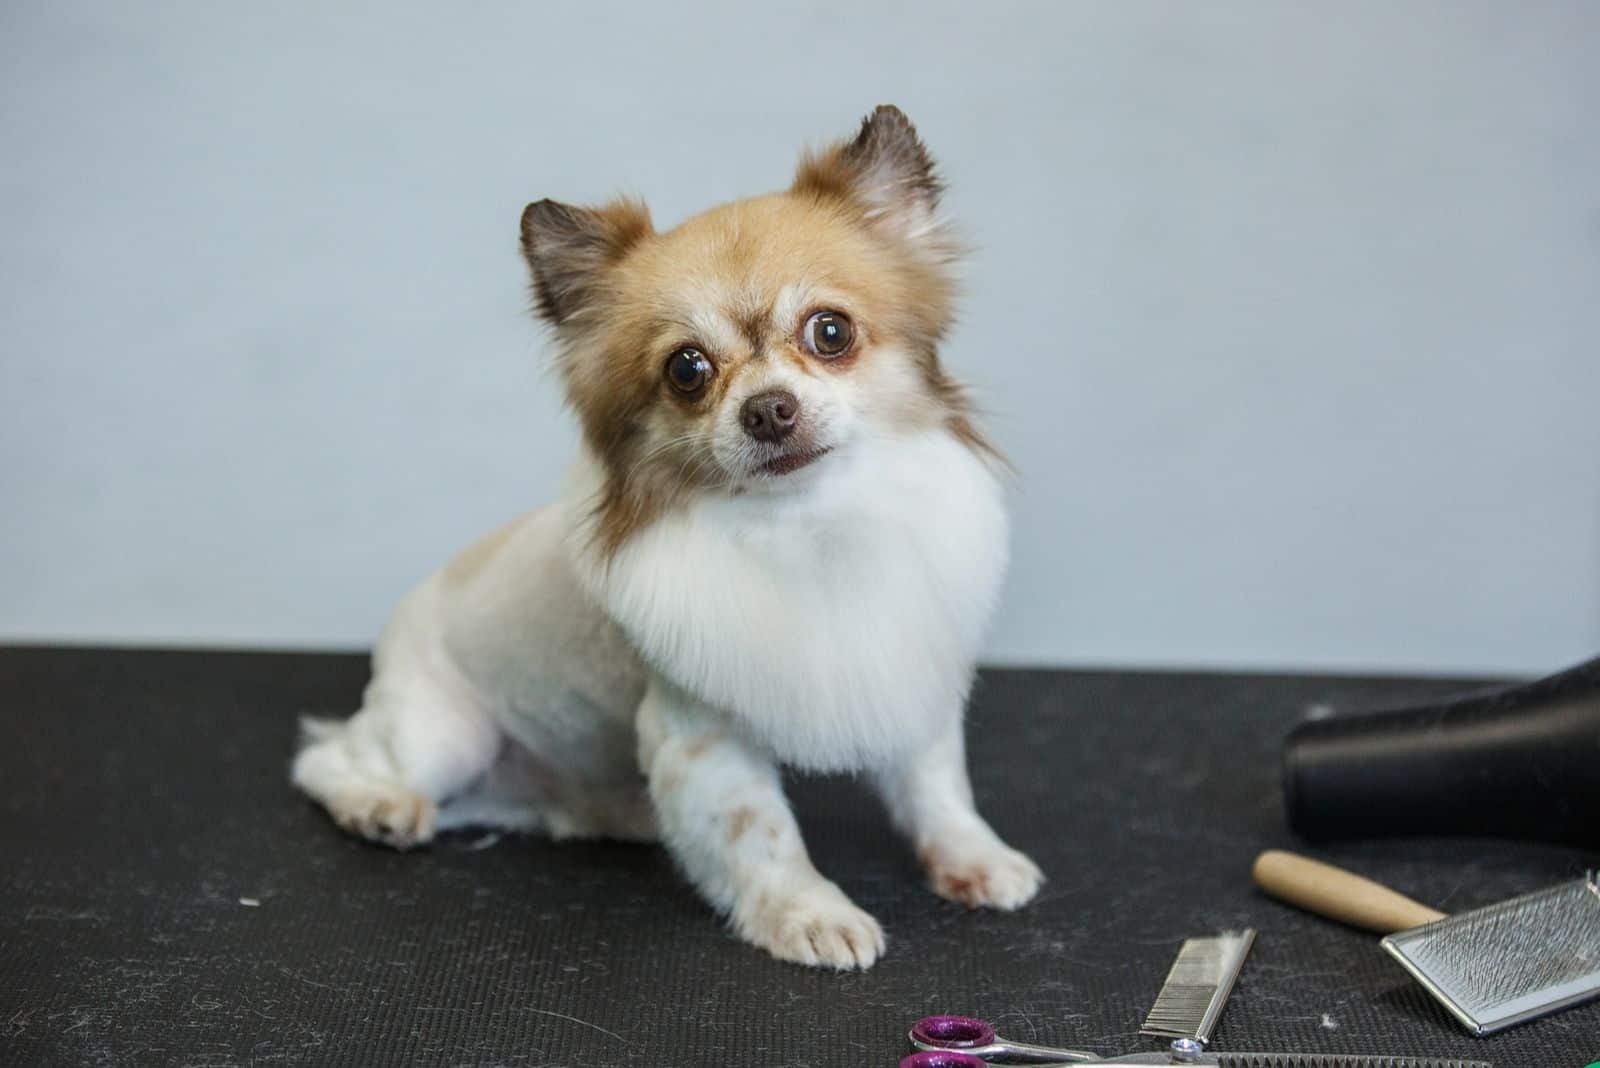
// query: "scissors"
[[964, 1042]]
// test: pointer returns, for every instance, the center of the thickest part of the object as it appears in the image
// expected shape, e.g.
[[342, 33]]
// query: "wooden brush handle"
[[1337, 894]]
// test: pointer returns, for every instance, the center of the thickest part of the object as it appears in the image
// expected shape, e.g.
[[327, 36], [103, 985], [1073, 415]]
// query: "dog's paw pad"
[[990, 875], [821, 928], [389, 815]]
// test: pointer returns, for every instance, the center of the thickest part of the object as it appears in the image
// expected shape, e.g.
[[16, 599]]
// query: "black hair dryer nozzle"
[[1522, 762]]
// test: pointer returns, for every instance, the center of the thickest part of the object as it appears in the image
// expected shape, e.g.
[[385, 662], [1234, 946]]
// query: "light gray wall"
[[1288, 313]]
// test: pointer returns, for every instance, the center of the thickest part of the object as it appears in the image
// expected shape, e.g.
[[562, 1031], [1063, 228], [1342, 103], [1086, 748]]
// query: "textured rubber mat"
[[165, 898]]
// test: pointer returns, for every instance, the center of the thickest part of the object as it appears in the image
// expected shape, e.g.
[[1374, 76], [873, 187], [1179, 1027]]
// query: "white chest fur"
[[837, 623]]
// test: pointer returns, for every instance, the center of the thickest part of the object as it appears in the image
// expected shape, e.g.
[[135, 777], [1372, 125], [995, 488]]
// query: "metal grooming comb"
[[1197, 987], [1508, 963]]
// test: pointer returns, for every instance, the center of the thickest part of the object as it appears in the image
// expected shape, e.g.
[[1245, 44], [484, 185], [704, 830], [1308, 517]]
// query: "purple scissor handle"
[[975, 1042], [942, 1058]]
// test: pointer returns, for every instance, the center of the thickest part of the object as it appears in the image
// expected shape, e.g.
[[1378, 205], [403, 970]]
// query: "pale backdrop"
[[1289, 314]]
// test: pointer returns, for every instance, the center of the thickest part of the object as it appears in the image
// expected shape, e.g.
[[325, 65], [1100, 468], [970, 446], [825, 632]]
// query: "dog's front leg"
[[722, 813], [930, 799]]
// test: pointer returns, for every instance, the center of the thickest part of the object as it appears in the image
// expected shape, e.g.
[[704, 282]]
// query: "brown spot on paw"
[[988, 875], [970, 888], [700, 746], [739, 822]]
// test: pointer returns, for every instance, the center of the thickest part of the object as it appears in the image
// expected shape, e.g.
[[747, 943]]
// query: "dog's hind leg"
[[422, 735]]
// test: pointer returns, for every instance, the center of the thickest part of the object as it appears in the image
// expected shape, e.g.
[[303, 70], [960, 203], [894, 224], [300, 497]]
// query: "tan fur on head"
[[858, 233]]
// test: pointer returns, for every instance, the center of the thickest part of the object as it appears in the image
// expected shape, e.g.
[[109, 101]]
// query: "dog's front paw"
[[978, 870], [817, 925], [390, 815]]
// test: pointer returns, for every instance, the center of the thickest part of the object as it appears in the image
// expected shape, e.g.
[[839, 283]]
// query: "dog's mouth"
[[794, 461]]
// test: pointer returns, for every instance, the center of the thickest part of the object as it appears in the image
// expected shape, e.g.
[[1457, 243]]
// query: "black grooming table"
[[165, 898]]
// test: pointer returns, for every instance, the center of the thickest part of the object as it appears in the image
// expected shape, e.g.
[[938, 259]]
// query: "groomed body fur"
[[781, 545]]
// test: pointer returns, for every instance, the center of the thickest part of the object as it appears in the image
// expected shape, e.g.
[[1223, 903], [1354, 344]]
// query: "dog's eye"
[[829, 334], [688, 370]]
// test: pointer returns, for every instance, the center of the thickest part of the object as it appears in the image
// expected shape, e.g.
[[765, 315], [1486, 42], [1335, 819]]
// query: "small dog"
[[781, 545]]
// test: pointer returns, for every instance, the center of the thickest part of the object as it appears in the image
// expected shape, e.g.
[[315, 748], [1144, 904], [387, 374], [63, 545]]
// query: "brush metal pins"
[[1512, 962], [1197, 987]]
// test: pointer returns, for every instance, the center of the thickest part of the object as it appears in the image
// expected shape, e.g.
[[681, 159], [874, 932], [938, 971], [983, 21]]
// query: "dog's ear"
[[887, 173], [570, 249]]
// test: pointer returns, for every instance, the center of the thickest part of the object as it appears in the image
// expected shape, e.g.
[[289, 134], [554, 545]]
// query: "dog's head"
[[741, 350]]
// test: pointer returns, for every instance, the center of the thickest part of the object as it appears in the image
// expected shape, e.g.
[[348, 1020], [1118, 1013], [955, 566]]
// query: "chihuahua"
[[780, 546]]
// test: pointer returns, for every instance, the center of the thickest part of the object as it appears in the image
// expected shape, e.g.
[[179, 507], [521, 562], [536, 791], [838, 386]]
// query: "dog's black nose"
[[770, 416]]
